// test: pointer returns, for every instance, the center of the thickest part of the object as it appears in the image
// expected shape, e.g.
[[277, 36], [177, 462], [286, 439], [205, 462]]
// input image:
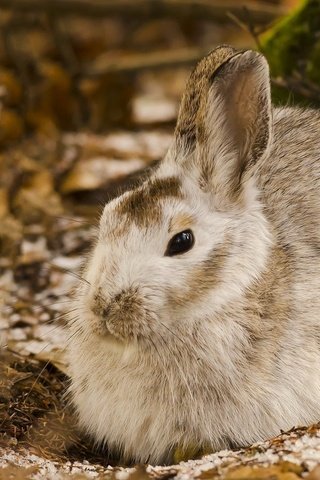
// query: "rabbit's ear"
[[233, 124], [197, 88]]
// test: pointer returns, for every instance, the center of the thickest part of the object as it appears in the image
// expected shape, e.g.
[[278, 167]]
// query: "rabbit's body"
[[218, 346]]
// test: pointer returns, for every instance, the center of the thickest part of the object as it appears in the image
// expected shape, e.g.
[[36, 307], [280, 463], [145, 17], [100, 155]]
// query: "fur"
[[220, 346]]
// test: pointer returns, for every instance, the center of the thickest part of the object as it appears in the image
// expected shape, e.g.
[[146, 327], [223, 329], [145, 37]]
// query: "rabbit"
[[197, 322]]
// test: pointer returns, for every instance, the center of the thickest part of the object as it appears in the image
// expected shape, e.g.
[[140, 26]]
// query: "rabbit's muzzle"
[[123, 315]]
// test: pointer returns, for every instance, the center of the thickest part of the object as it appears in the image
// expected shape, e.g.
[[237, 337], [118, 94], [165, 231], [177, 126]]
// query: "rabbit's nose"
[[99, 304], [102, 306], [123, 315], [101, 311], [105, 312]]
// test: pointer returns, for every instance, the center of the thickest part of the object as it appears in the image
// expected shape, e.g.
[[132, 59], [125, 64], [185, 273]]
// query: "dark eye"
[[180, 243]]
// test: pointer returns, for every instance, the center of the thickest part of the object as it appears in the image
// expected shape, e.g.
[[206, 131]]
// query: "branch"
[[260, 12], [305, 89], [143, 61]]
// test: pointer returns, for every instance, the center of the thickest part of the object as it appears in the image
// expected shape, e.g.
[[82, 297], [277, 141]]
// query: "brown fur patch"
[[203, 278], [267, 309], [142, 205], [206, 175], [269, 297], [180, 222]]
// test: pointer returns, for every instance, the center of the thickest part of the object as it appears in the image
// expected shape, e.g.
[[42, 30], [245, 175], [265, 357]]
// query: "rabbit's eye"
[[180, 243]]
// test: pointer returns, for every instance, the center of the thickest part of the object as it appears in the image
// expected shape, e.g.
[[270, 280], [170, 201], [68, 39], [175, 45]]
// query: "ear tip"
[[225, 54], [225, 58], [214, 59], [220, 54], [223, 48], [243, 61], [251, 58]]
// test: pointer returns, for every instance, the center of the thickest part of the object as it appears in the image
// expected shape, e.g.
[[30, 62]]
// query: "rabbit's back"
[[290, 179]]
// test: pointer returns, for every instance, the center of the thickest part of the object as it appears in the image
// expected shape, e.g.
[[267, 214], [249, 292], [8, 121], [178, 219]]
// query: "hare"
[[198, 323]]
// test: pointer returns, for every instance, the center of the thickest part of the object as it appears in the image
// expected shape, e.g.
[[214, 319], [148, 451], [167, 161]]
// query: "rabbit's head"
[[193, 236]]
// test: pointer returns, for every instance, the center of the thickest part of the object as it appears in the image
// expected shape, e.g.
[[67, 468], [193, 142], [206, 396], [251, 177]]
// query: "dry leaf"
[[153, 109], [97, 172], [10, 88], [10, 228], [15, 472], [37, 198], [281, 471], [314, 474], [11, 127]]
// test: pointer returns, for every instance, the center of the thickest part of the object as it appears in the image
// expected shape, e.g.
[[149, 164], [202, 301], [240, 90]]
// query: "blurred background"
[[103, 64]]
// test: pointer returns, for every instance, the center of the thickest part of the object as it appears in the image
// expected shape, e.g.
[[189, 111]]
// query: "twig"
[[249, 27], [304, 88], [143, 61], [261, 12], [252, 28]]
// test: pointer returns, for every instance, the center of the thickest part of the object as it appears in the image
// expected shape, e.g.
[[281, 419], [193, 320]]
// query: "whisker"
[[76, 220], [169, 330], [48, 305], [69, 272], [64, 314], [37, 379], [71, 337], [40, 337]]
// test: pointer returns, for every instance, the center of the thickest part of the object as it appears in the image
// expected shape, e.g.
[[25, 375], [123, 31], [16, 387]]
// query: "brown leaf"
[[15, 472], [37, 198], [10, 228], [11, 127], [56, 357], [96, 172], [281, 471], [10, 88], [314, 474], [209, 474]]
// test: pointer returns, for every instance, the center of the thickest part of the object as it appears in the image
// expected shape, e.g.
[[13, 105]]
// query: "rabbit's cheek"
[[202, 280]]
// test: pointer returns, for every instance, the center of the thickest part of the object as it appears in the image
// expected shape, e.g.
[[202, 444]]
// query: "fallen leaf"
[[97, 172], [11, 127], [37, 198], [314, 474], [281, 471], [10, 87], [16, 472]]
